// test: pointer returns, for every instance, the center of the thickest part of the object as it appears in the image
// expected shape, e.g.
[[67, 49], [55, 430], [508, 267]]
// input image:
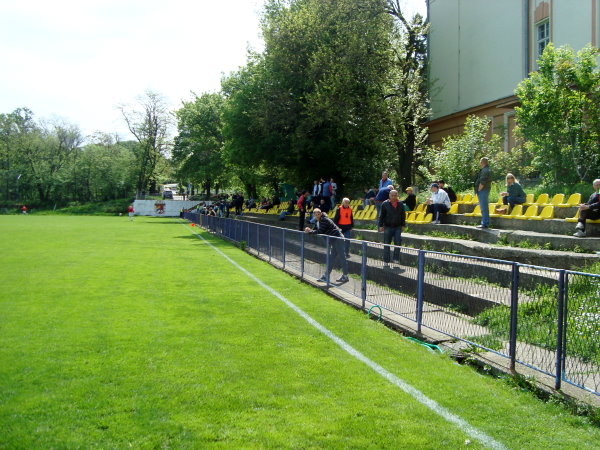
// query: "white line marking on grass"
[[415, 393]]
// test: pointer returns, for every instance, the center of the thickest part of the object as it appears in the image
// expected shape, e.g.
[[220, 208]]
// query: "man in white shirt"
[[439, 202]]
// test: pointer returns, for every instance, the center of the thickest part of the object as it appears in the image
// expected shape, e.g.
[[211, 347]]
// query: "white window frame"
[[544, 40]]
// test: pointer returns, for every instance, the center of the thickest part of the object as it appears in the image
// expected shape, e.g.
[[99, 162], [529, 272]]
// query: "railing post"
[[559, 331], [514, 305], [565, 321], [327, 259], [420, 288], [269, 242], [283, 247], [257, 239], [302, 255], [363, 275], [248, 241]]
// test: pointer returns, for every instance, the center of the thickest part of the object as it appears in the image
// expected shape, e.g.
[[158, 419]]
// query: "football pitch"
[[154, 334]]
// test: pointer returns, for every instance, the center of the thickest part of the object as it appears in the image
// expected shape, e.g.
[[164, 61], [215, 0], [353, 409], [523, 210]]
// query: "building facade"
[[479, 51]]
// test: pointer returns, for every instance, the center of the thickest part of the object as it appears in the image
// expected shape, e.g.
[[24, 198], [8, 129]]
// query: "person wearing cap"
[[411, 199], [437, 203]]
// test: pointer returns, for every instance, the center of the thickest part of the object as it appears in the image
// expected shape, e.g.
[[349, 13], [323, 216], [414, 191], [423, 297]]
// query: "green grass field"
[[118, 334]]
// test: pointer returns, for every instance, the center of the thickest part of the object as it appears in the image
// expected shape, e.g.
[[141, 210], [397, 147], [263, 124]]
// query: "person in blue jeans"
[[482, 186], [392, 221]]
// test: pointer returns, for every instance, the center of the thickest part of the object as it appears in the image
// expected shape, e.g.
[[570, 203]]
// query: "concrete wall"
[[479, 49], [476, 52], [171, 207]]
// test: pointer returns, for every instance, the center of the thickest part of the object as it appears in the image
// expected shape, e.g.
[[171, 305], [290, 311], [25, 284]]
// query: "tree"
[[198, 149], [407, 95], [559, 116], [458, 159], [149, 122]]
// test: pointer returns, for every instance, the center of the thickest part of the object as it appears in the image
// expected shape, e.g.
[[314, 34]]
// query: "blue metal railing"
[[543, 318]]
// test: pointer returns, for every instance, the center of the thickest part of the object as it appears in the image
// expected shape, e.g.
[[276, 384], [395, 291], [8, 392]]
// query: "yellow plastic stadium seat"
[[416, 218], [547, 213], [427, 219], [531, 212], [474, 200], [420, 208], [453, 209], [465, 199], [371, 215], [574, 218], [458, 198], [542, 199], [556, 200], [516, 211], [574, 200], [476, 212], [529, 200], [359, 215]]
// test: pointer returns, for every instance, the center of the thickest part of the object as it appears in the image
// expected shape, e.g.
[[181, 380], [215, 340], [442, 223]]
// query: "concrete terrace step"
[[485, 248]]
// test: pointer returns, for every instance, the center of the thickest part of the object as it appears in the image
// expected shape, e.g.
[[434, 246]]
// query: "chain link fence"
[[543, 318]]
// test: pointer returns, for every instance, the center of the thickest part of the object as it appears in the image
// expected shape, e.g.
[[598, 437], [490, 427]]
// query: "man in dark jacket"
[[482, 186], [589, 210], [392, 221], [325, 226]]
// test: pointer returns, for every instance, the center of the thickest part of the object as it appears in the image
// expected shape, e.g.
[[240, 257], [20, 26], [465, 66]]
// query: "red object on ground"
[[193, 224]]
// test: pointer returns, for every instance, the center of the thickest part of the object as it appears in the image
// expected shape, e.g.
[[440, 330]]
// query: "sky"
[[78, 60]]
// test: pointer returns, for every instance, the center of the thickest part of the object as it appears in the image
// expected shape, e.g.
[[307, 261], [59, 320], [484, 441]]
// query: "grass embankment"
[[117, 334]]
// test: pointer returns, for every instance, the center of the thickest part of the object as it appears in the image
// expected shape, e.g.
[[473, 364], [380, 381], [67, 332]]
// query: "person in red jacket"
[[131, 212], [24, 209], [344, 219], [301, 204]]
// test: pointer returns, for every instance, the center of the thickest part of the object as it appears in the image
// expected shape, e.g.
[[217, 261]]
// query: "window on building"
[[542, 36]]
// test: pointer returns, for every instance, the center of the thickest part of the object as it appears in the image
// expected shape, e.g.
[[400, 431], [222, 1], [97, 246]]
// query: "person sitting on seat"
[[437, 203], [411, 199], [451, 194], [589, 210], [514, 195]]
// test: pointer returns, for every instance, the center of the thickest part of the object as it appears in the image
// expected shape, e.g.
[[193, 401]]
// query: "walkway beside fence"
[[542, 318]]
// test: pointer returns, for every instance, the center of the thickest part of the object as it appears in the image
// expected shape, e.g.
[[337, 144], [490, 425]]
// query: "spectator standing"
[[392, 221], [24, 209], [324, 225], [302, 201], [333, 188], [451, 194], [514, 195], [482, 185], [589, 210], [344, 219], [411, 199], [326, 194], [385, 181], [437, 203]]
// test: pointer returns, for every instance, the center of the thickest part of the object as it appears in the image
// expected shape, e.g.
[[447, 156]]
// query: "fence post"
[[420, 286], [363, 275], [559, 331], [327, 259], [283, 247], [257, 239], [565, 321], [514, 305], [269, 242], [302, 255]]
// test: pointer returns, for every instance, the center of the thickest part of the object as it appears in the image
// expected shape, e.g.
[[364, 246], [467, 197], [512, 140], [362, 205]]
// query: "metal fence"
[[546, 319]]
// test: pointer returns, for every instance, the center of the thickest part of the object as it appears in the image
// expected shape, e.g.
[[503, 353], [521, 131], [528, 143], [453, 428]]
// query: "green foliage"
[[559, 114], [198, 149], [458, 160]]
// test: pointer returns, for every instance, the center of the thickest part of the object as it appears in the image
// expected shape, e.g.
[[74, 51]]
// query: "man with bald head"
[[392, 222]]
